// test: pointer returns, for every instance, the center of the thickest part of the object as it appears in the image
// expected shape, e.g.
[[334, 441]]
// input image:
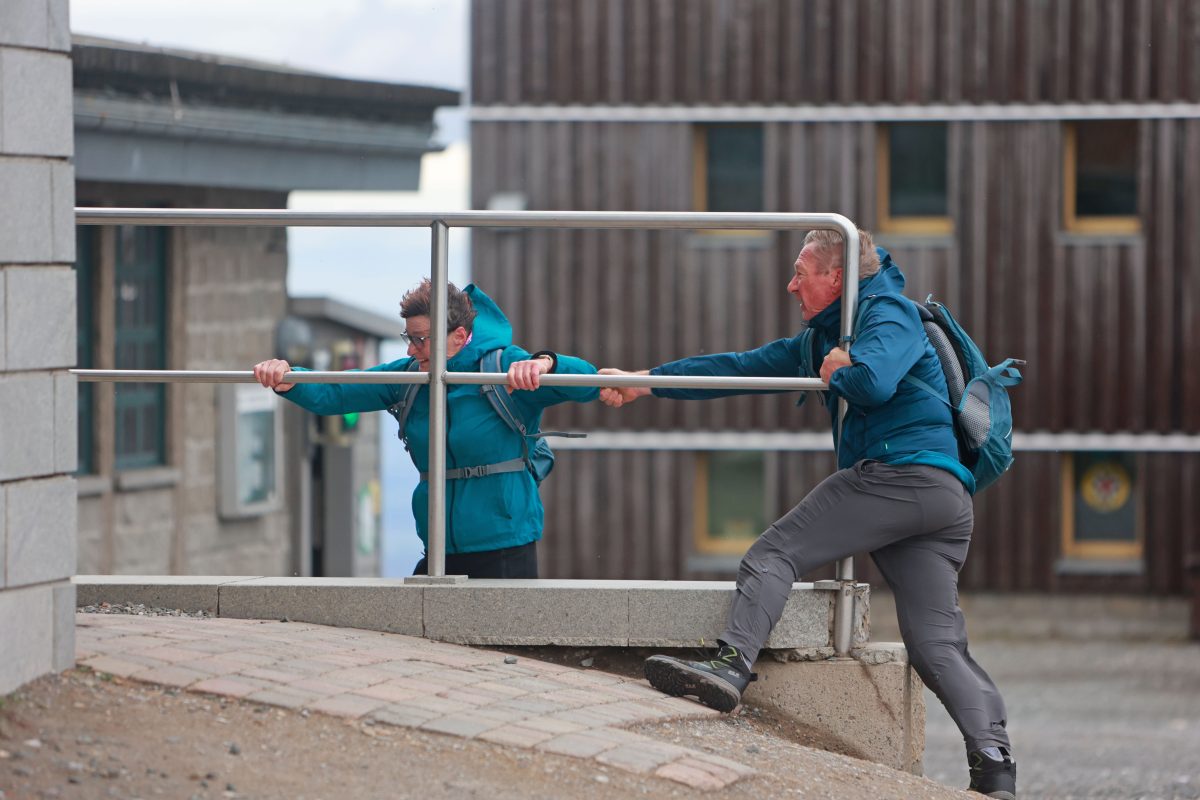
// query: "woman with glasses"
[[493, 511]]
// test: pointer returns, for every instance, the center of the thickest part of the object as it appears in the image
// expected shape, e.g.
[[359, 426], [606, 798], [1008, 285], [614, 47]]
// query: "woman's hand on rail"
[[618, 396], [270, 374], [527, 375]]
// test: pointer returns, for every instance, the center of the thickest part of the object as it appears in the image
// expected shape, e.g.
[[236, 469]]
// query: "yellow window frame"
[[906, 225], [1072, 222], [1096, 551]]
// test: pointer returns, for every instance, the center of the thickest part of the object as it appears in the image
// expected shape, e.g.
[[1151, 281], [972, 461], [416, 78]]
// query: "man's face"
[[814, 288]]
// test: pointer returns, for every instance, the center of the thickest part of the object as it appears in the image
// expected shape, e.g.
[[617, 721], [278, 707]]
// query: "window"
[[730, 504], [728, 168], [912, 193], [140, 336], [1100, 177], [85, 328], [1101, 514]]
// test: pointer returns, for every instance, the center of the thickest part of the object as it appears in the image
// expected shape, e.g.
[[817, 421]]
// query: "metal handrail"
[[480, 378], [438, 378]]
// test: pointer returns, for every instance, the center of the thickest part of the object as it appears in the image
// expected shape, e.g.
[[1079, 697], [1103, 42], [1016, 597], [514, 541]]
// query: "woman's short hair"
[[460, 311], [831, 246]]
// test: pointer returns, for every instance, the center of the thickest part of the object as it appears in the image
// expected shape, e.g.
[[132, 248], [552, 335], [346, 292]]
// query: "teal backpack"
[[538, 458], [978, 393]]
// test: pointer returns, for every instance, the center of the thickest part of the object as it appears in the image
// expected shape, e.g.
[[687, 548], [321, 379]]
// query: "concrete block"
[[687, 613], [64, 626], [66, 427], [58, 28], [185, 592], [24, 23], [41, 317], [3, 338], [36, 113], [41, 531], [27, 630], [26, 425], [62, 195], [529, 612], [872, 709], [26, 230], [3, 535], [378, 604]]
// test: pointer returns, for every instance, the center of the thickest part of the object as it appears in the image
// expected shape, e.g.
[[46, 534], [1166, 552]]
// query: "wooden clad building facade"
[[1033, 163]]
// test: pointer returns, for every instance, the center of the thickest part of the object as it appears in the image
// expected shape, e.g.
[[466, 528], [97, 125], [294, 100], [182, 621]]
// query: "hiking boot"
[[993, 777], [718, 683]]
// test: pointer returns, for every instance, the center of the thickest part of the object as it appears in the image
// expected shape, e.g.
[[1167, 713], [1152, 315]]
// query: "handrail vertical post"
[[843, 611], [439, 276]]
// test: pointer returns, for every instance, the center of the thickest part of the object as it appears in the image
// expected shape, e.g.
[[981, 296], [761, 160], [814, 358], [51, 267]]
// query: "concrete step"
[[578, 613]]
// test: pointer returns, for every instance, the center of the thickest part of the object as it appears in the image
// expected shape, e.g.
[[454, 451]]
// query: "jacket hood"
[[492, 330], [889, 278]]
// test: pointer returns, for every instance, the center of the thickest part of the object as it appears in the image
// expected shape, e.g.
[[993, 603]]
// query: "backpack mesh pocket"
[[955, 381], [975, 417]]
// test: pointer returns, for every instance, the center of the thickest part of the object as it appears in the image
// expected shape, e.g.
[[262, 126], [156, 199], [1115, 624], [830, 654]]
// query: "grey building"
[[200, 478]]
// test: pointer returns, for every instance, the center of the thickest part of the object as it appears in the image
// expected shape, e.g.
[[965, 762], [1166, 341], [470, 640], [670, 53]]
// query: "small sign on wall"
[[249, 450], [1101, 509]]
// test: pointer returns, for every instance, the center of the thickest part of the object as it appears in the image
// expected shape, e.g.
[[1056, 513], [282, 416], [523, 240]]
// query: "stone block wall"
[[37, 343], [226, 292]]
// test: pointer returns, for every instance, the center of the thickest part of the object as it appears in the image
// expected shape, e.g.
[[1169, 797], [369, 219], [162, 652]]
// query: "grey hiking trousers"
[[916, 522]]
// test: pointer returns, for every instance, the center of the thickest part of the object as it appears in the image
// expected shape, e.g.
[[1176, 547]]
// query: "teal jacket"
[[488, 513]]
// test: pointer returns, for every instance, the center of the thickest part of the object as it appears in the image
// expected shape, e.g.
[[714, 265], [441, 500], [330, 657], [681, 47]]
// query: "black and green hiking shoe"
[[718, 683], [993, 777]]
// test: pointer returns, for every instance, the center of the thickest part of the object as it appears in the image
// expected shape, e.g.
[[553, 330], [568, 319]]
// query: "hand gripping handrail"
[[438, 379]]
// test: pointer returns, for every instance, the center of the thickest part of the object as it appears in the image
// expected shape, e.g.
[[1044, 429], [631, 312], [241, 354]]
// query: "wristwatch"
[[549, 354]]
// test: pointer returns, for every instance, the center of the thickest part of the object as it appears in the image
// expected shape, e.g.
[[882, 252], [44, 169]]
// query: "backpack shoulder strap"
[[500, 400], [401, 409], [861, 312]]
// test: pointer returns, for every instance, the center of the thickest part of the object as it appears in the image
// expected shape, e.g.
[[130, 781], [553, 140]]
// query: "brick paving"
[[409, 682]]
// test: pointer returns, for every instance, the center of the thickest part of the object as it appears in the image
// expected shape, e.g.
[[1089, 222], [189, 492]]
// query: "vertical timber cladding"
[[1104, 321], [699, 52]]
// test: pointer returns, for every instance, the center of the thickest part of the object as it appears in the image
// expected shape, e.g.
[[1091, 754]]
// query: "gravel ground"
[[140, 610], [82, 735], [87, 735], [1088, 719]]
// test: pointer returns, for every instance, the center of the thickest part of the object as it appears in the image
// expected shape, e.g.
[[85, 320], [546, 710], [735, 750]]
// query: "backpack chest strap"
[[482, 470]]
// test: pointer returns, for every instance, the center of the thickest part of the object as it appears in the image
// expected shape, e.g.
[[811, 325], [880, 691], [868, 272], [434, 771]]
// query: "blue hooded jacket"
[[889, 419], [488, 513]]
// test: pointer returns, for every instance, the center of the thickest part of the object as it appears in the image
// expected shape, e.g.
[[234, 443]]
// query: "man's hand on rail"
[[527, 375], [836, 359], [270, 374], [620, 395]]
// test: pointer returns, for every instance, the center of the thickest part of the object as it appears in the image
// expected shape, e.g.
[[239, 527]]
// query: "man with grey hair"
[[900, 493]]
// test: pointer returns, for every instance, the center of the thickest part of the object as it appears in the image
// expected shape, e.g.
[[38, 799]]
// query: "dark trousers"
[[507, 562], [916, 522]]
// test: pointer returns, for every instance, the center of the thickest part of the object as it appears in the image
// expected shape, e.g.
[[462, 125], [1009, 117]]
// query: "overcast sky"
[[399, 41], [403, 41]]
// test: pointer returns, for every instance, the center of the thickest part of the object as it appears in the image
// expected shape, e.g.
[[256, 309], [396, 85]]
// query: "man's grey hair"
[[831, 245]]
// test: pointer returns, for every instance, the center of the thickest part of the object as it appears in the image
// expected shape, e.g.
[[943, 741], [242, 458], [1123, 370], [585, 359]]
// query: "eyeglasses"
[[419, 341]]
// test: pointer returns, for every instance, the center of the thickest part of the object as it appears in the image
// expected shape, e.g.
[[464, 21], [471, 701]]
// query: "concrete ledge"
[[377, 604], [494, 612], [184, 592], [871, 706]]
